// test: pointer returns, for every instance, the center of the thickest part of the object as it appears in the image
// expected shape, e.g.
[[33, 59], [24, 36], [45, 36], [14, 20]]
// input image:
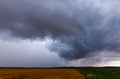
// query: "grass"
[[39, 73], [61, 73], [101, 72]]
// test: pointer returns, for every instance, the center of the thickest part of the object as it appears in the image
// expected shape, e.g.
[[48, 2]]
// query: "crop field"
[[60, 73], [100, 73]]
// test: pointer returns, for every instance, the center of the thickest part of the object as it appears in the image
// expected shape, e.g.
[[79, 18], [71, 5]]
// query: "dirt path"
[[40, 74]]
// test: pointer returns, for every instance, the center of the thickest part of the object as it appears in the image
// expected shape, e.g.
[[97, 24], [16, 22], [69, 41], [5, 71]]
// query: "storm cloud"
[[78, 28]]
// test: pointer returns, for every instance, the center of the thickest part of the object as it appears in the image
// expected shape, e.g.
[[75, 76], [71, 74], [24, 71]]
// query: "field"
[[100, 73], [60, 73]]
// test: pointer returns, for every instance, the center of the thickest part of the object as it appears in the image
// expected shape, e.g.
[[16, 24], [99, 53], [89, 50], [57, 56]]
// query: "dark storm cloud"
[[37, 18], [81, 27]]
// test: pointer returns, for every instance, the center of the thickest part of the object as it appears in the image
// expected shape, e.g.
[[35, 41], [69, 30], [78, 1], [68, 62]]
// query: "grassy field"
[[60, 73], [51, 73], [100, 73]]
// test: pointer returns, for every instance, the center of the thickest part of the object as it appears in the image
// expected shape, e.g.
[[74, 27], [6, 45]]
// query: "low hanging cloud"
[[26, 53], [79, 28]]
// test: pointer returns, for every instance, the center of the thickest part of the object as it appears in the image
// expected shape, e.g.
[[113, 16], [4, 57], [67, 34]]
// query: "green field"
[[61, 73], [100, 72]]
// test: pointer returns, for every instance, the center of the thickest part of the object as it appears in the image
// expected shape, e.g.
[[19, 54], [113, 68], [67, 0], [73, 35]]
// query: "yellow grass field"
[[40, 74]]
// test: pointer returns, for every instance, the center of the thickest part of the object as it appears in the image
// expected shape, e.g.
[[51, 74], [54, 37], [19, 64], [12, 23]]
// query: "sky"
[[56, 33]]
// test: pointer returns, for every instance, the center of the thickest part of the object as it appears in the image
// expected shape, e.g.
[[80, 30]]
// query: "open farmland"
[[100, 72], [61, 73], [55, 73]]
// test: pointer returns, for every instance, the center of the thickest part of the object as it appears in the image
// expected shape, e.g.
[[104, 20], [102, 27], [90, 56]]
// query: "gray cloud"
[[26, 53], [81, 27]]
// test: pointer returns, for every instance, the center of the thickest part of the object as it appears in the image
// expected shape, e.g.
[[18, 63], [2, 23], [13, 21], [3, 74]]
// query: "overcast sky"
[[52, 33]]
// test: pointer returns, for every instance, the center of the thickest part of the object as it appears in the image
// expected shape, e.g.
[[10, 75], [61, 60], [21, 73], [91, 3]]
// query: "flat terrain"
[[60, 73], [100, 72]]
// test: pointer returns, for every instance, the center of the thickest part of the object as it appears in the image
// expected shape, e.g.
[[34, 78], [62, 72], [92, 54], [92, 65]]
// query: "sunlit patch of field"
[[40, 74]]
